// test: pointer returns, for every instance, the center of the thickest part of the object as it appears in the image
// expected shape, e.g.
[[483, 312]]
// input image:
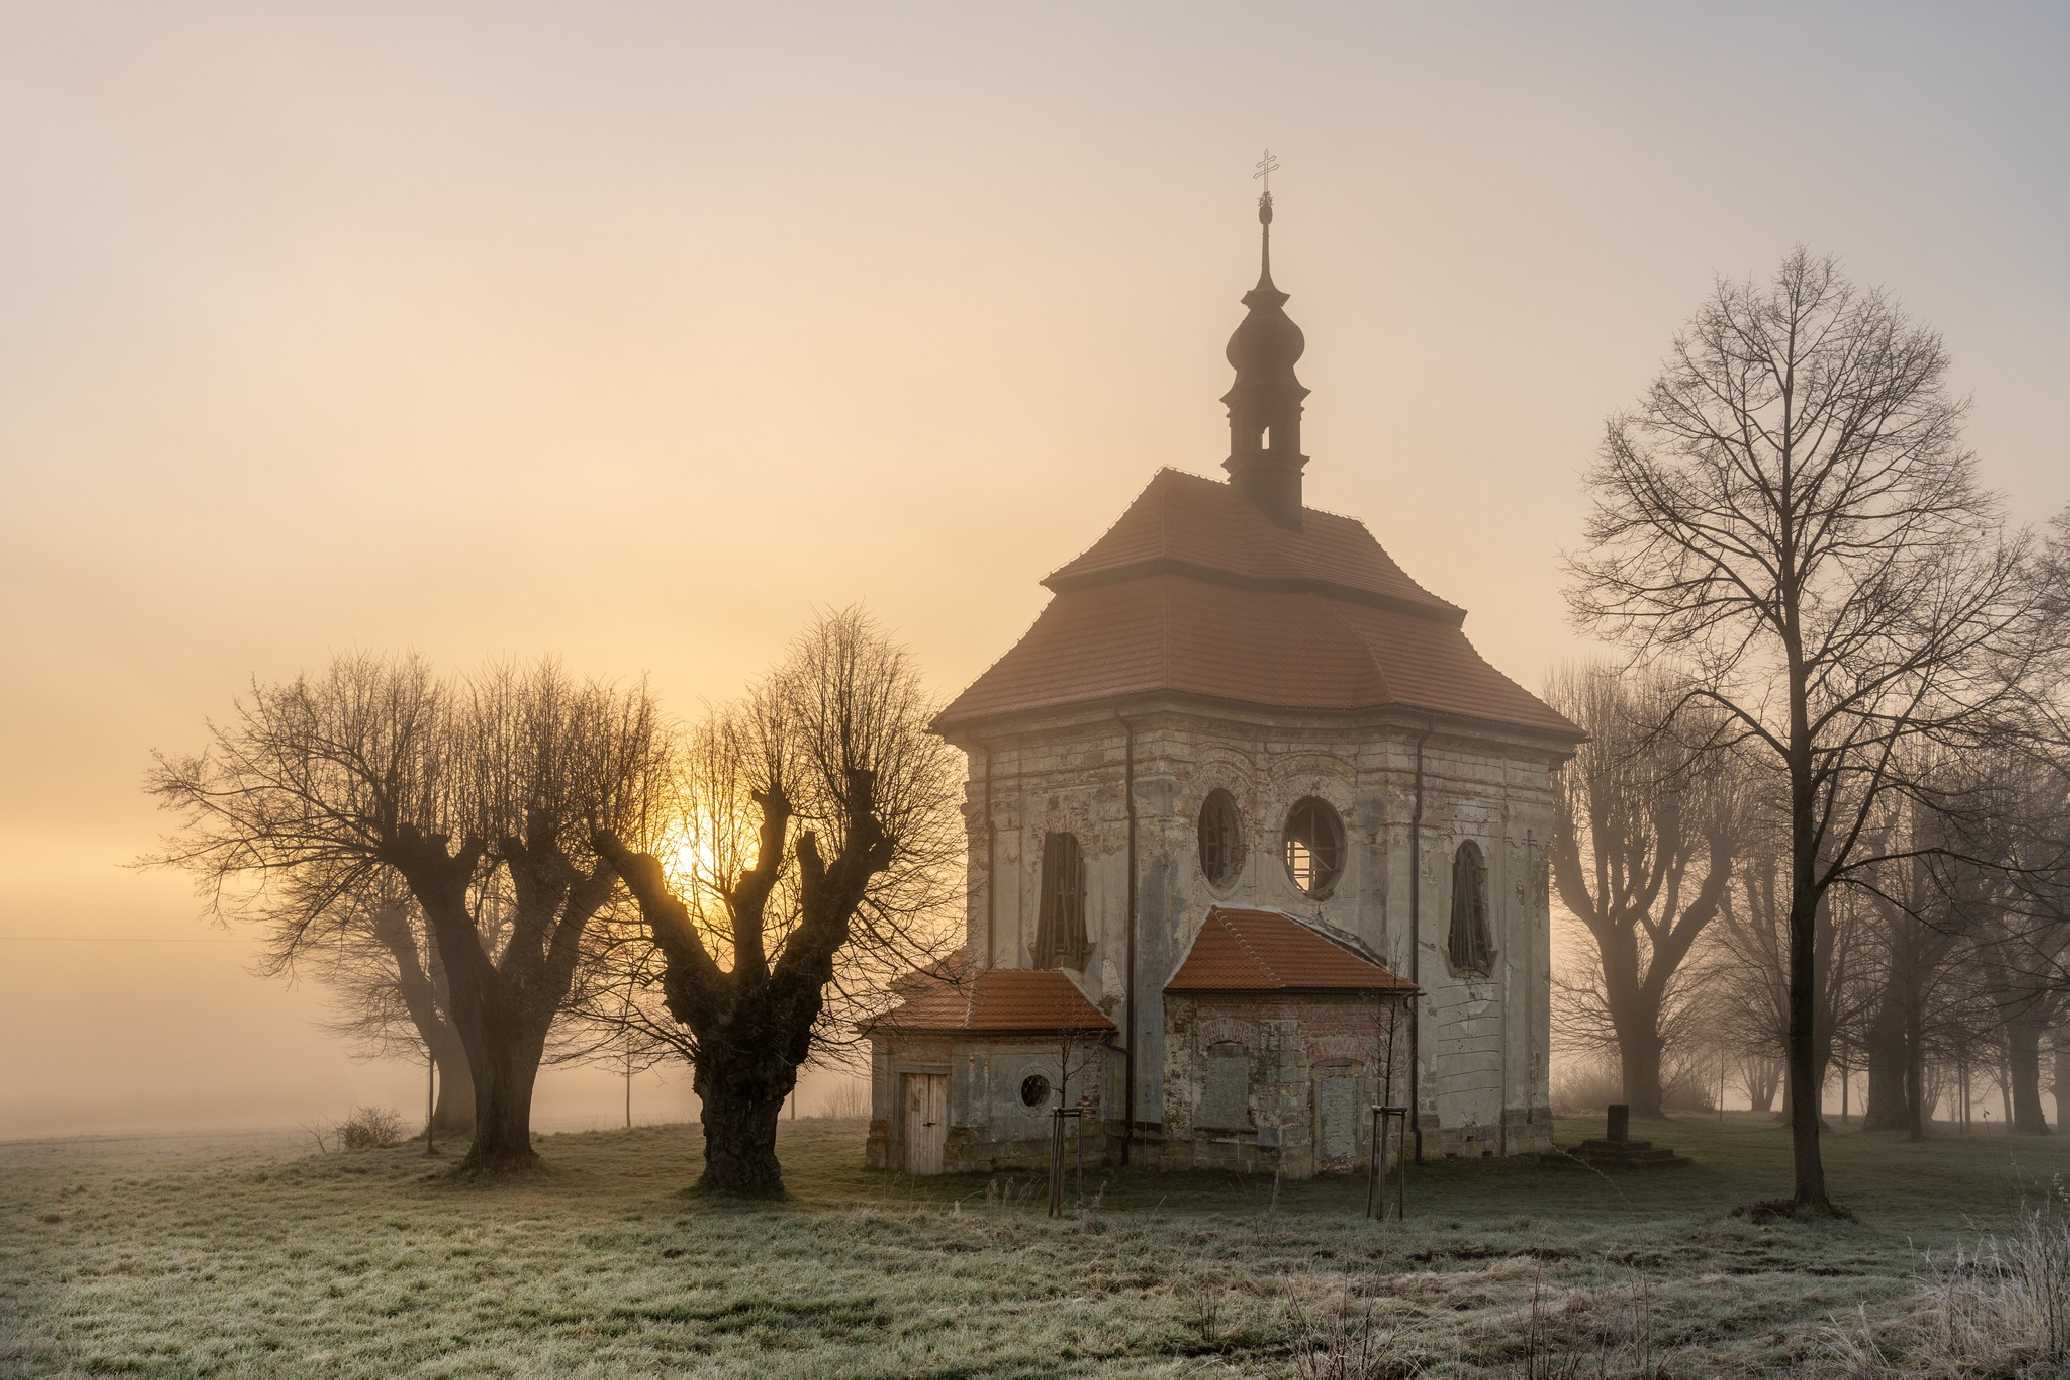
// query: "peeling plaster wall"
[[990, 1127], [1482, 1081], [1312, 1067], [1485, 1048]]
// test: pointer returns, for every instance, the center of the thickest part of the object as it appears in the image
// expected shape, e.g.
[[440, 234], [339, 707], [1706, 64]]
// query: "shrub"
[[370, 1128]]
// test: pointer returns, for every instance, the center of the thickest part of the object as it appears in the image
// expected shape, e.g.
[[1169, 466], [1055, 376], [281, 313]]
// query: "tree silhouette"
[[1790, 511], [482, 797], [815, 843]]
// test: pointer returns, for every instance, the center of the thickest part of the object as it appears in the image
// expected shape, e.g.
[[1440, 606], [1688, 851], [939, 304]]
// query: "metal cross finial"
[[1267, 166]]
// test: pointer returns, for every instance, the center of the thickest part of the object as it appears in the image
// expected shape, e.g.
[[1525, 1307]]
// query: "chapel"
[[1257, 844]]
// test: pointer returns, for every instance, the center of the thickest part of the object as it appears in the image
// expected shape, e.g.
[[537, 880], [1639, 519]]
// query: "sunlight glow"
[[686, 853]]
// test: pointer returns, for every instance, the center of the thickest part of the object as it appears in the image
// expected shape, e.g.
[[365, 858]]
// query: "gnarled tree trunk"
[[741, 1091], [1888, 1105], [1637, 1022], [1915, 1076], [421, 987], [452, 1112], [503, 1107], [503, 1059], [2023, 1043]]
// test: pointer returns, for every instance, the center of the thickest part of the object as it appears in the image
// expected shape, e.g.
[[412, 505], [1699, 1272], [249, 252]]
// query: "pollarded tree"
[[481, 797], [1790, 511], [813, 859], [1642, 856]]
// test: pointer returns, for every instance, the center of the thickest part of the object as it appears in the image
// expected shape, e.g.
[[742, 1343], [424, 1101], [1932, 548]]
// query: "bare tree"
[[1761, 1076], [1583, 1023], [1642, 857], [1911, 954], [811, 861], [1752, 967], [2018, 916], [1790, 510], [481, 797], [388, 993], [1972, 935]]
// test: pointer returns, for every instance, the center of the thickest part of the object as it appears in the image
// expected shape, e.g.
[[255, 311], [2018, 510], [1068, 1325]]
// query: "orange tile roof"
[[1282, 650], [1241, 950], [1195, 591], [995, 1001], [1187, 521]]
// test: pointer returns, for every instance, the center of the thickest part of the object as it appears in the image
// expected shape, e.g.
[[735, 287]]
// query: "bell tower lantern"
[[1265, 459]]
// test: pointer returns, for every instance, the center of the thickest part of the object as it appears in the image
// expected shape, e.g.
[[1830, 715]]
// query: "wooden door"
[[927, 1121]]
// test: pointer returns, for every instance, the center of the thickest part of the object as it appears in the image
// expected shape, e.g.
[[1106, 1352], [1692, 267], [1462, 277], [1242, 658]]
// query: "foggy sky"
[[634, 333]]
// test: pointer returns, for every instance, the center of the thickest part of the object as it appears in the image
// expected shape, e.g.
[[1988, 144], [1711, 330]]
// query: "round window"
[[1314, 846], [1034, 1090], [1221, 837]]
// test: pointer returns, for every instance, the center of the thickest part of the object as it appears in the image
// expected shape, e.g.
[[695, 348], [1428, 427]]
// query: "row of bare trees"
[[1789, 534], [1951, 953], [483, 867]]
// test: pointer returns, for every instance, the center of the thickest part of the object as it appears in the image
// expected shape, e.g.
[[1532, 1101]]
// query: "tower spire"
[[1267, 166], [1265, 458]]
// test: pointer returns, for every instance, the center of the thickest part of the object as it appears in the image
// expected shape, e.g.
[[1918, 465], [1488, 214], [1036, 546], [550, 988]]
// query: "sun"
[[686, 852]]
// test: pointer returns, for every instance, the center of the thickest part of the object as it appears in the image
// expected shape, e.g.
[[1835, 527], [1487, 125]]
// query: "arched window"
[[1472, 947], [1221, 838], [1060, 932], [1314, 845]]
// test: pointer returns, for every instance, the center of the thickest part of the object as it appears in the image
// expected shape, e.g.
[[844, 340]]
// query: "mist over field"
[[277, 375], [1364, 691]]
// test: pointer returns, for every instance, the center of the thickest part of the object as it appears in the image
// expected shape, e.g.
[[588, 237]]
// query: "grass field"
[[254, 1256]]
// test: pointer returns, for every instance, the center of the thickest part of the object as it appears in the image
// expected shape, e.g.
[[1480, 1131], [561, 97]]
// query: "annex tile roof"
[[953, 997], [1241, 950], [1198, 592]]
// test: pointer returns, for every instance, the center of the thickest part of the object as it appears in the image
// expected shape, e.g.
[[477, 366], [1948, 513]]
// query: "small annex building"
[[1257, 841], [1278, 1041]]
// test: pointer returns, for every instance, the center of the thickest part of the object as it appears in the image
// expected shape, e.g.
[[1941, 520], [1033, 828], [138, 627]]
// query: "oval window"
[[1221, 838], [1034, 1090], [1314, 846]]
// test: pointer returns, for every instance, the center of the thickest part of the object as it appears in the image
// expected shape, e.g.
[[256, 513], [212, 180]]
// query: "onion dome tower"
[[1265, 458]]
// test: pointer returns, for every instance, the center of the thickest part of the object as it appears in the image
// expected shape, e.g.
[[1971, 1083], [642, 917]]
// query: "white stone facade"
[[1481, 1042]]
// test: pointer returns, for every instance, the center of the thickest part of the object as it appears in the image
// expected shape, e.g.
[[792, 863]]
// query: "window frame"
[[1480, 951], [1232, 843], [1061, 937], [1316, 808]]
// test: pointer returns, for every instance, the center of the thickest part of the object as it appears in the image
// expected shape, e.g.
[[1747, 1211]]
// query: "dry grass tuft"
[[1999, 1304]]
